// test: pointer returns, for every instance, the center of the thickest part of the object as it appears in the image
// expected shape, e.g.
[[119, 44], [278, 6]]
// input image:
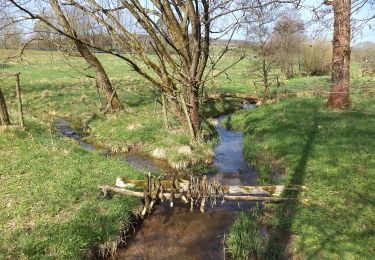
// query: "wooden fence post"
[[20, 111], [4, 115]]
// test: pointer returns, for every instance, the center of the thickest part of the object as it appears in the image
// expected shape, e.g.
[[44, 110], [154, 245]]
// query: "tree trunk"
[[101, 75], [265, 79], [194, 111], [165, 113], [339, 96], [4, 116], [177, 109]]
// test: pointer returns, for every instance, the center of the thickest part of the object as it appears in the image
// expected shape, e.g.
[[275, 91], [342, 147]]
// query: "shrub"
[[316, 58]]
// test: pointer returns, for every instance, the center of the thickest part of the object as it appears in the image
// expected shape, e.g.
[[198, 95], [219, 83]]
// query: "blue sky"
[[367, 33]]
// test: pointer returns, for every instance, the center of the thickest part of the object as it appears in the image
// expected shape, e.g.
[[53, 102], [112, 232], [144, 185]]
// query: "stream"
[[177, 233]]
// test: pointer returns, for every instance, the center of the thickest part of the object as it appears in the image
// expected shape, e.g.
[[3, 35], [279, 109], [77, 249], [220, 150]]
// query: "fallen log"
[[217, 96], [196, 191], [168, 196], [123, 191], [125, 183], [255, 198], [271, 190]]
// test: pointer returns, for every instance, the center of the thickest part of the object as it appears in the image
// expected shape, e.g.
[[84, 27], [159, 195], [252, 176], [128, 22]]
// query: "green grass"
[[245, 238], [51, 206], [332, 153], [53, 209], [52, 88]]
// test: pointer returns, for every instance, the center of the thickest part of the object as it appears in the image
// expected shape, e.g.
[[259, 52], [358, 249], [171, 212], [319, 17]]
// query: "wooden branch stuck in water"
[[255, 198], [122, 191], [168, 195], [275, 190], [197, 191], [272, 190]]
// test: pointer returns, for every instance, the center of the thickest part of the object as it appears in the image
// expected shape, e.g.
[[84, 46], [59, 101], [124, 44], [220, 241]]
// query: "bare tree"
[[102, 77], [53, 23], [181, 47], [288, 38], [259, 23]]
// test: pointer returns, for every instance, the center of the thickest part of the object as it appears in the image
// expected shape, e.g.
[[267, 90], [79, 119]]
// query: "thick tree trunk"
[[4, 116], [194, 111], [177, 109], [339, 96]]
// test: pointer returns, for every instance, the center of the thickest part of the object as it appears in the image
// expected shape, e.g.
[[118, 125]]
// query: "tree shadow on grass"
[[285, 212]]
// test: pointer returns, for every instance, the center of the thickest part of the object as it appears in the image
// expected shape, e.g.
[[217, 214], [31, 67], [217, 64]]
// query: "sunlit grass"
[[330, 152], [51, 205]]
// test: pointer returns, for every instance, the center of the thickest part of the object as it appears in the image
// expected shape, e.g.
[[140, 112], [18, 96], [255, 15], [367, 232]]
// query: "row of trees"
[[179, 33]]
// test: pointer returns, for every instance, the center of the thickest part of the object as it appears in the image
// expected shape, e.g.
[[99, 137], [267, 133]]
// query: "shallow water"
[[136, 160], [147, 163], [177, 233], [67, 131]]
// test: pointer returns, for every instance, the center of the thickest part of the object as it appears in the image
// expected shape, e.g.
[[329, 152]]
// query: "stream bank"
[[177, 231]]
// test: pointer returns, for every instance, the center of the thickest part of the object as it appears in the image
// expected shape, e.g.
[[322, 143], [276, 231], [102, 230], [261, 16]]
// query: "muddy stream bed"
[[177, 233]]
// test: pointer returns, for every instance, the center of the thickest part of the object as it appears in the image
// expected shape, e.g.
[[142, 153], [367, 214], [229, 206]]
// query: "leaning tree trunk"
[[101, 75], [4, 115], [339, 96]]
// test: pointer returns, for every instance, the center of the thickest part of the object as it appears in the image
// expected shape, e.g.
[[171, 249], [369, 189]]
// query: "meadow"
[[300, 141], [53, 209]]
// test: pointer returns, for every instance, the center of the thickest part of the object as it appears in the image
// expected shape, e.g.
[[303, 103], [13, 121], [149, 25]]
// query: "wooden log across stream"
[[219, 96], [196, 191]]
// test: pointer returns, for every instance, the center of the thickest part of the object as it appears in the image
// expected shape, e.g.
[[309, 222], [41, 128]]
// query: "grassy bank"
[[53, 208], [50, 204], [330, 152], [52, 88]]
